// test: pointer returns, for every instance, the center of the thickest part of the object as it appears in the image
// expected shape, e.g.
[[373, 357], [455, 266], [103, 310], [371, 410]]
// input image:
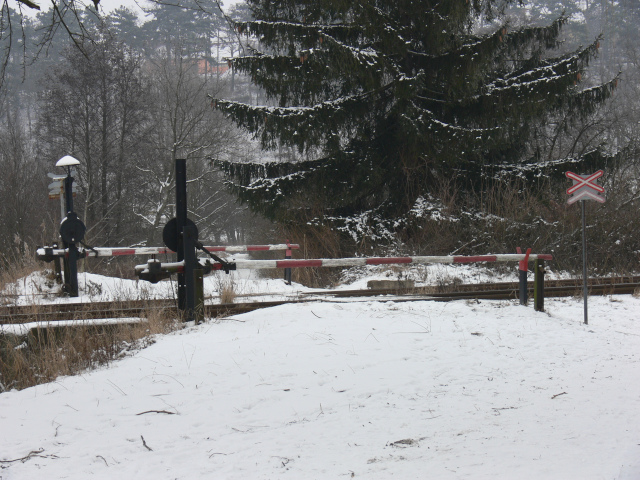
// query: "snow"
[[366, 389], [22, 329], [39, 288]]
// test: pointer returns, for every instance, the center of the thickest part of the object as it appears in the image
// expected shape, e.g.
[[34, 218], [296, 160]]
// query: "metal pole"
[[287, 271], [523, 268], [190, 262], [73, 270], [72, 262], [538, 286], [181, 220], [585, 291], [57, 261], [523, 286], [68, 192], [62, 202]]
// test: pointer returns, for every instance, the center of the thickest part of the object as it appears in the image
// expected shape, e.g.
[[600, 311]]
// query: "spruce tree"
[[381, 97]]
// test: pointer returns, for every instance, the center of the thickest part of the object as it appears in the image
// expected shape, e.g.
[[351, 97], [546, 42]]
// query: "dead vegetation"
[[12, 270], [227, 289], [497, 219], [47, 353]]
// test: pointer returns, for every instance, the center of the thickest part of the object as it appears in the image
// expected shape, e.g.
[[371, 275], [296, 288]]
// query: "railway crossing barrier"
[[180, 236], [154, 270]]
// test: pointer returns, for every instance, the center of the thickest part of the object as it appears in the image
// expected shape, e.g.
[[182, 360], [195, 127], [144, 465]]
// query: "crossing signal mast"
[[180, 234], [72, 229], [585, 187]]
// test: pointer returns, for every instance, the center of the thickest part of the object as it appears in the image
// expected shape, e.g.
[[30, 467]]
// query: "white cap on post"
[[67, 161]]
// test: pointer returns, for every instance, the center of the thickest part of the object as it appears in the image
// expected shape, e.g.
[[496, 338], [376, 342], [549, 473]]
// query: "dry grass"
[[317, 242], [509, 215], [10, 273], [45, 354], [228, 291]]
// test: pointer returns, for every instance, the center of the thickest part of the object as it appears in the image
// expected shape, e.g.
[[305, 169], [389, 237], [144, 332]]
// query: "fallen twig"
[[157, 411], [558, 394], [627, 333], [497, 410], [33, 453], [217, 453], [145, 444]]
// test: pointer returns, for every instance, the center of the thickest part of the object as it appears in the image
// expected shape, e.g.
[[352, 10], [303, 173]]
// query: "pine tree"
[[187, 27], [385, 96]]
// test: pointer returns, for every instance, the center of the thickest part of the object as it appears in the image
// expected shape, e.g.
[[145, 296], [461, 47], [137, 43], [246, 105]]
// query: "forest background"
[[138, 95]]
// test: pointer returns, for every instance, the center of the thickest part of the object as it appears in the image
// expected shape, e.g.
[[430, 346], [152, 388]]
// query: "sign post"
[[585, 187], [56, 189]]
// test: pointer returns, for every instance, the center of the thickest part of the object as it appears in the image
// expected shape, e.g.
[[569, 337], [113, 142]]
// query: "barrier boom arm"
[[178, 267], [121, 251], [352, 262]]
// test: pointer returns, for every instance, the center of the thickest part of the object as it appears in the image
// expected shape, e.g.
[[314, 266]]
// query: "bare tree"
[[185, 126], [71, 17], [94, 109], [23, 218]]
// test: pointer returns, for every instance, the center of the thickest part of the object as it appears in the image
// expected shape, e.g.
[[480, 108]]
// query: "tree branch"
[[29, 4]]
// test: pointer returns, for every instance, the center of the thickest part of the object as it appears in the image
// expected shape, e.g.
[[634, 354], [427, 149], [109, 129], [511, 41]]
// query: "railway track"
[[507, 290], [101, 310], [136, 308]]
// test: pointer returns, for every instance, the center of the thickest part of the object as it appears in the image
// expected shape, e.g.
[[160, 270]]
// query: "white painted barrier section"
[[121, 251], [352, 262]]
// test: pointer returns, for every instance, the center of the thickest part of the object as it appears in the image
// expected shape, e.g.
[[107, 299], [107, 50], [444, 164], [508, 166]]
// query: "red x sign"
[[585, 182], [584, 187]]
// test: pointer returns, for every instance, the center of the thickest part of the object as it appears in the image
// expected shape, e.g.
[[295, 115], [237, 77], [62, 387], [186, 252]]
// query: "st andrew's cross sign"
[[585, 187]]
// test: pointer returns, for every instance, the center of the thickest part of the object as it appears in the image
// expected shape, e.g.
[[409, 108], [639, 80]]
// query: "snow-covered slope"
[[369, 389]]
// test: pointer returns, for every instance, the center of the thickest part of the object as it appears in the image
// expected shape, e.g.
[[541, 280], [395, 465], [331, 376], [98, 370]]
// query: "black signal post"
[[181, 221], [180, 234], [72, 229]]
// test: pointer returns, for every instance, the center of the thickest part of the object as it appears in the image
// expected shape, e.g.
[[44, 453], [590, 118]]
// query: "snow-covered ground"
[[338, 389], [249, 285]]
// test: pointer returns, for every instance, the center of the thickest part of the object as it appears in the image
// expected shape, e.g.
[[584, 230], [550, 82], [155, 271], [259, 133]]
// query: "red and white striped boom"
[[178, 267], [119, 251], [358, 261]]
